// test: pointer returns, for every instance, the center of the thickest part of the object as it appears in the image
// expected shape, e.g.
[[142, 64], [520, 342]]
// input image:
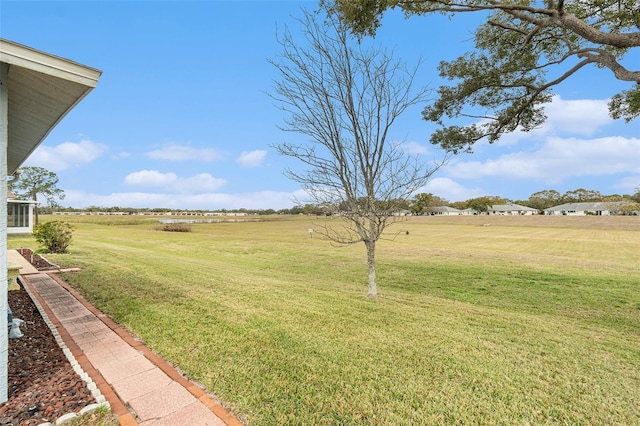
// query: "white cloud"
[[81, 199], [557, 159], [578, 117], [66, 155], [450, 190], [414, 148], [150, 178], [581, 117], [249, 200], [202, 182], [206, 201], [629, 184], [171, 183], [175, 152], [251, 158]]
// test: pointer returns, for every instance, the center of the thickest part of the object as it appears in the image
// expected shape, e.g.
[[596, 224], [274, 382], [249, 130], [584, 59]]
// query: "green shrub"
[[54, 237]]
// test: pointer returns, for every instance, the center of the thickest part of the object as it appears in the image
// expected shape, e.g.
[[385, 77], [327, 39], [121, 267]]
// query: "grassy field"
[[480, 320]]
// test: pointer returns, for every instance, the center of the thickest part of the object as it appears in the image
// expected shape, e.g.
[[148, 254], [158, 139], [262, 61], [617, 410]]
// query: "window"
[[18, 215]]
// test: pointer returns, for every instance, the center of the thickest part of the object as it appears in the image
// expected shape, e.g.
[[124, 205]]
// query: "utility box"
[[13, 270]]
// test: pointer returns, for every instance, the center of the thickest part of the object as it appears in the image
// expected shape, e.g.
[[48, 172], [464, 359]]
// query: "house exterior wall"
[[514, 213], [511, 210], [4, 143], [596, 208], [578, 212], [443, 211], [43, 86]]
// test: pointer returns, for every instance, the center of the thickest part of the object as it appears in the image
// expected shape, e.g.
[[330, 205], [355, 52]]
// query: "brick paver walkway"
[[140, 386]]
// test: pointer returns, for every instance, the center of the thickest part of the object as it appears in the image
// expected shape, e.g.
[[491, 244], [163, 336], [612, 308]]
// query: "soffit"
[[42, 89]]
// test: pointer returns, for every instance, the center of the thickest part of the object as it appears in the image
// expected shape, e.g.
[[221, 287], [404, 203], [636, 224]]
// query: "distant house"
[[19, 215], [510, 210], [444, 211], [468, 212], [605, 208]]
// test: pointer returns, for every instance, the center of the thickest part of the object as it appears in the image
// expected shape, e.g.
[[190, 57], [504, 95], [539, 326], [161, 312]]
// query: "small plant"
[[174, 227], [54, 237], [101, 416]]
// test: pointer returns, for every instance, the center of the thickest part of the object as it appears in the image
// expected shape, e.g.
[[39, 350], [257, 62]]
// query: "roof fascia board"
[[17, 201], [26, 57]]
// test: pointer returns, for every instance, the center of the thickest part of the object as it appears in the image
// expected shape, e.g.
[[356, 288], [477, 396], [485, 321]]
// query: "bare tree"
[[345, 97]]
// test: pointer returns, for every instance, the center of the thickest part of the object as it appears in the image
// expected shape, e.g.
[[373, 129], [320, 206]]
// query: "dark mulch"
[[40, 263], [42, 384]]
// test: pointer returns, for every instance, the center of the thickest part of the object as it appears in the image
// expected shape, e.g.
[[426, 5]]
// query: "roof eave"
[[57, 75], [23, 56]]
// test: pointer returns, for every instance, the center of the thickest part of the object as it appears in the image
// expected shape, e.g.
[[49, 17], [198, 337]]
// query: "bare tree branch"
[[345, 97]]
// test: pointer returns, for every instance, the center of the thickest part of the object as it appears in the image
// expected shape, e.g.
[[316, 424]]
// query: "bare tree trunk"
[[371, 264], [345, 97], [35, 207]]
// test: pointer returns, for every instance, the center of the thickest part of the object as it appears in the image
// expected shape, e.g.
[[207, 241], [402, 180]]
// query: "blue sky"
[[181, 117]]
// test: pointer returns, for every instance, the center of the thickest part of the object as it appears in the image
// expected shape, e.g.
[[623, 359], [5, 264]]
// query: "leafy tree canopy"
[[37, 180], [544, 199], [422, 202], [636, 195], [581, 195], [523, 49], [482, 204]]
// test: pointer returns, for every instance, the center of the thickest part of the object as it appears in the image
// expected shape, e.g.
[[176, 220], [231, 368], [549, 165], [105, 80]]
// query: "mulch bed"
[[42, 384], [40, 263]]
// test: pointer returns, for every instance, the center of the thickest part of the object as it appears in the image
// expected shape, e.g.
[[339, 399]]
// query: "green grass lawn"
[[525, 321]]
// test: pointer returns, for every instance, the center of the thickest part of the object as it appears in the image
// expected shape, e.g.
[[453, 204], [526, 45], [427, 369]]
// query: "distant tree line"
[[420, 204], [157, 210], [539, 200], [423, 202]]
